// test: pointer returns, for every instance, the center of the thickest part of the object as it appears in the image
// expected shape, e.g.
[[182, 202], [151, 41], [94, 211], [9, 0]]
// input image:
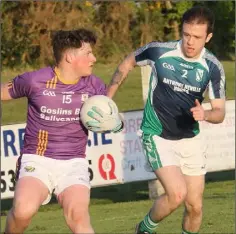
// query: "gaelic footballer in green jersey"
[[181, 73], [175, 83]]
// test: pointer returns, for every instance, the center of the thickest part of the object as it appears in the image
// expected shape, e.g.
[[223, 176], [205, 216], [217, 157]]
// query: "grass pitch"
[[116, 209]]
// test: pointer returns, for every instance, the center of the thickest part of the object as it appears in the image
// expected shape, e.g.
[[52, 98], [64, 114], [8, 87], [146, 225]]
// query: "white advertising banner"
[[131, 154], [118, 158], [220, 139], [103, 155]]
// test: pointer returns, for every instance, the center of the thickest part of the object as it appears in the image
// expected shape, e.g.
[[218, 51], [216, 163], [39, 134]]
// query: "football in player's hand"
[[100, 113]]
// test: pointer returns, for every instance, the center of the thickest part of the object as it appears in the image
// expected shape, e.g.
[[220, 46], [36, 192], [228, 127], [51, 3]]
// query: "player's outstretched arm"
[[120, 74], [5, 95]]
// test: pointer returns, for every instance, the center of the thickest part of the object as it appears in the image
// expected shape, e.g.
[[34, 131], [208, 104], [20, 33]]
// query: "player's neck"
[[191, 59], [196, 57], [66, 76]]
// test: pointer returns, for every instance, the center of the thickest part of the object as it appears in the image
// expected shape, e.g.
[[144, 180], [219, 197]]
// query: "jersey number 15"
[[67, 98]]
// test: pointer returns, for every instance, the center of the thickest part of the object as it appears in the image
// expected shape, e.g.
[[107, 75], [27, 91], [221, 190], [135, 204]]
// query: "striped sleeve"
[[147, 54], [20, 86], [151, 52], [217, 84]]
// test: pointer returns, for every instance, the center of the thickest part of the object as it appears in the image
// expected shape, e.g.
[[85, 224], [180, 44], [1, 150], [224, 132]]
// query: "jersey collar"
[[59, 76]]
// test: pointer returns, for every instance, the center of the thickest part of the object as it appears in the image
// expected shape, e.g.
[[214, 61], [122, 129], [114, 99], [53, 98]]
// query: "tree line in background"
[[121, 27]]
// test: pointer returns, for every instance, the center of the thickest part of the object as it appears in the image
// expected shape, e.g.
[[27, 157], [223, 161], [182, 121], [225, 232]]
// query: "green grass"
[[128, 97], [116, 209]]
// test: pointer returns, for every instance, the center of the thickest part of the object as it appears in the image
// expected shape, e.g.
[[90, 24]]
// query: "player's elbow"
[[221, 116], [221, 119]]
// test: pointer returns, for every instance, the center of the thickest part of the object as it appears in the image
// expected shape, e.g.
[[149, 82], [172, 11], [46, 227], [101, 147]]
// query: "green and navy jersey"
[[175, 83]]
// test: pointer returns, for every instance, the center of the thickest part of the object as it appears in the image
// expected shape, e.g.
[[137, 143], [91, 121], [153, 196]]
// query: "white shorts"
[[56, 174], [189, 154]]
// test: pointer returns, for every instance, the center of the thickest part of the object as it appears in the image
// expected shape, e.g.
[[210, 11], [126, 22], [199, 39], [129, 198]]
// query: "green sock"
[[147, 225], [187, 232]]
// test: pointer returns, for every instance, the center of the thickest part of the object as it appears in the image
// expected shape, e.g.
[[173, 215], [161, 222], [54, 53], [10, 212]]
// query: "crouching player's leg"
[[75, 203], [161, 157], [73, 192], [30, 194]]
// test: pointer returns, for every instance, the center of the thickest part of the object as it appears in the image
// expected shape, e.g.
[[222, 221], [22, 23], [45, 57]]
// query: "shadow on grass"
[[126, 192], [122, 193]]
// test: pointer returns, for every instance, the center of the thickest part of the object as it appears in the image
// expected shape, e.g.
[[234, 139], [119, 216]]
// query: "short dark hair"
[[199, 15], [62, 40]]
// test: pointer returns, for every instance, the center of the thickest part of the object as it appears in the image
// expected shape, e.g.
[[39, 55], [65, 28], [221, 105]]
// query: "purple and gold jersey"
[[53, 126]]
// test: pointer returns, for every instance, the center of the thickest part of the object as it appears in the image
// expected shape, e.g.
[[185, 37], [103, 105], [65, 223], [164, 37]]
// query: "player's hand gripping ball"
[[100, 114]]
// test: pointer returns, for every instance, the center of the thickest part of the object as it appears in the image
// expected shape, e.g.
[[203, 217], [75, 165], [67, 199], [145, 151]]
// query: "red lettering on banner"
[[106, 165]]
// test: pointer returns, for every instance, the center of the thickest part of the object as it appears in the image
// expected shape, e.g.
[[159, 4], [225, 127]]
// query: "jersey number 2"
[[185, 73]]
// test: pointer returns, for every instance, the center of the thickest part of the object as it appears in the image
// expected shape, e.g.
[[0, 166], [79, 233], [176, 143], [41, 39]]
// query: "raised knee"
[[177, 198]]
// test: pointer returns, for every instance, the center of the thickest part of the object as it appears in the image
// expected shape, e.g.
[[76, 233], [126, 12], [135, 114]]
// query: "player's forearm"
[[120, 74], [215, 116], [117, 79], [5, 93]]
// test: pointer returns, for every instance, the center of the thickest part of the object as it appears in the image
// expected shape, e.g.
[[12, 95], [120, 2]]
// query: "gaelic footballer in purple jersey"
[[53, 126]]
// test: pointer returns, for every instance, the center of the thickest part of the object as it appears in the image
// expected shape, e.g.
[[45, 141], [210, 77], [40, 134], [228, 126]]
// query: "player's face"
[[194, 38], [84, 60]]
